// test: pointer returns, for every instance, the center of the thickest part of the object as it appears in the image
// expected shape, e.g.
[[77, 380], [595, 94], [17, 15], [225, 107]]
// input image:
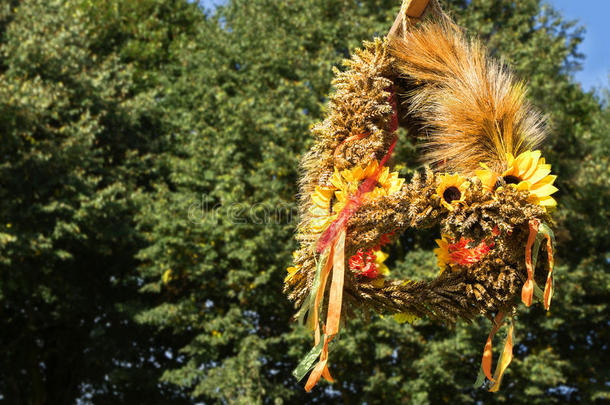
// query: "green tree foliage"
[[79, 128], [148, 170]]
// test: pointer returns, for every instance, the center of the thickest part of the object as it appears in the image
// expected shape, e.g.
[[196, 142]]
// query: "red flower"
[[461, 254], [363, 264], [384, 240]]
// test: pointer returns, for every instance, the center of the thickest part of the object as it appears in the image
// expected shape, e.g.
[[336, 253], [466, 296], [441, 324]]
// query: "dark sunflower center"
[[451, 194], [512, 179], [331, 204]]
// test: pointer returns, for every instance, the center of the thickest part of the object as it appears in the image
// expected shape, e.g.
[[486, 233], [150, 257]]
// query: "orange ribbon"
[[336, 290], [528, 288], [487, 352], [333, 316], [505, 359], [548, 288]]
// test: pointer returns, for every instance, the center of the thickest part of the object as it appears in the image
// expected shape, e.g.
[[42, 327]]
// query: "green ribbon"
[[305, 308], [307, 363], [543, 231], [547, 231], [480, 378]]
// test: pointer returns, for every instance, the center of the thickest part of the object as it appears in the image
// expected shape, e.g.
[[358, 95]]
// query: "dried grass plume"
[[467, 107]]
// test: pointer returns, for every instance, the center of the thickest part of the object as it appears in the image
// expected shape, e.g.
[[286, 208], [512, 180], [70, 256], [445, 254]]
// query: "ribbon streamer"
[[538, 232], [528, 288], [549, 286], [308, 305], [333, 316], [320, 296], [505, 358], [321, 369], [487, 352], [503, 361]]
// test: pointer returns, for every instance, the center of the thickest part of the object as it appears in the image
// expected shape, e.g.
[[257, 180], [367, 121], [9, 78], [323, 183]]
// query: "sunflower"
[[329, 201], [387, 183], [293, 271], [451, 190], [528, 171], [348, 181], [443, 259], [324, 209]]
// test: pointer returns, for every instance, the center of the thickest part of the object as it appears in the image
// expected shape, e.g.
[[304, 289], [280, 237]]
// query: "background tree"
[[80, 129]]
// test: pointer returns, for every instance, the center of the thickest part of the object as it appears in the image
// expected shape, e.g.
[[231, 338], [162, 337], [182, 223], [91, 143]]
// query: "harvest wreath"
[[485, 185]]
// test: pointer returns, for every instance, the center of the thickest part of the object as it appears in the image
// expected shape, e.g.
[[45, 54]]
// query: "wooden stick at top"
[[410, 8]]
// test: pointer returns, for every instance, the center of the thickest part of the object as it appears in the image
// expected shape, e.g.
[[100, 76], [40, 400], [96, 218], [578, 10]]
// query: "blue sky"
[[592, 14]]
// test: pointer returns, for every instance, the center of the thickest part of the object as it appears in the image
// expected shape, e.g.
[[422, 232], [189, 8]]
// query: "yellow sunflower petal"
[[341, 196], [317, 211], [509, 159], [381, 256], [292, 271], [544, 190], [487, 177], [547, 201], [337, 180], [320, 224], [523, 163], [383, 176], [370, 169], [547, 180], [442, 253], [533, 164], [354, 175], [378, 282], [383, 269], [396, 185], [322, 196], [539, 174]]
